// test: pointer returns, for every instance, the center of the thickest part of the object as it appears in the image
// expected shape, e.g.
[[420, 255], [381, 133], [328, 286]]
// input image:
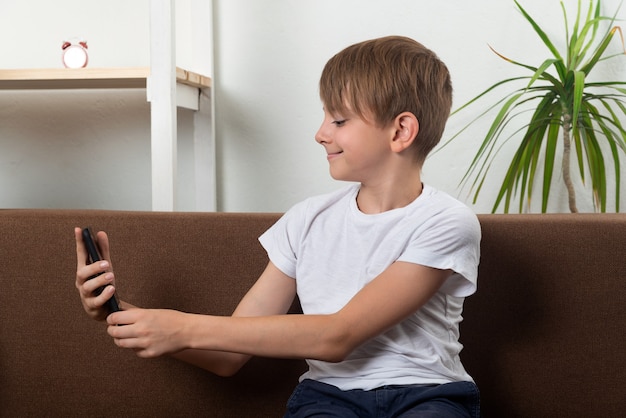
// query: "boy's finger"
[[103, 244], [81, 253]]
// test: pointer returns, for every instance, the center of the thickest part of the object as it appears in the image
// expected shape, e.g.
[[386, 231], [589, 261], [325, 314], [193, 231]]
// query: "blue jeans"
[[316, 399]]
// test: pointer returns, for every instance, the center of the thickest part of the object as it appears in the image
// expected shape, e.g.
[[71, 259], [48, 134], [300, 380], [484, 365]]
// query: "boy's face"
[[357, 150]]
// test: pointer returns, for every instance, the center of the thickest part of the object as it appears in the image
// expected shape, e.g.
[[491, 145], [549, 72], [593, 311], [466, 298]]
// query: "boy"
[[381, 266]]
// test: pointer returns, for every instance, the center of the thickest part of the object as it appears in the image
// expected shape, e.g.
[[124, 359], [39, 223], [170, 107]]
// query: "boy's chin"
[[343, 178], [337, 176]]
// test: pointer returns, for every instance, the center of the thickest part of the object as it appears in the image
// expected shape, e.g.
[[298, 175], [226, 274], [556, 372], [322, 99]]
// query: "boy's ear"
[[406, 128]]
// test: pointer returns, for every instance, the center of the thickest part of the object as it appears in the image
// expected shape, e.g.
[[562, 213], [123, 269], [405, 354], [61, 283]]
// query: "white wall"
[[268, 57]]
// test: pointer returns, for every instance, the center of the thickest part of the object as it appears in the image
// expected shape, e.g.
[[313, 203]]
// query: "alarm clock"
[[75, 54]]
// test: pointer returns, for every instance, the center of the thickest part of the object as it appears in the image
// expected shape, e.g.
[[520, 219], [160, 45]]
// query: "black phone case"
[[112, 304]]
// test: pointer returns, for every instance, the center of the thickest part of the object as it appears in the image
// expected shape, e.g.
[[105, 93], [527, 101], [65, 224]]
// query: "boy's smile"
[[331, 155]]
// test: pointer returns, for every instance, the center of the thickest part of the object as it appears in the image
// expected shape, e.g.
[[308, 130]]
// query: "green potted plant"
[[562, 106]]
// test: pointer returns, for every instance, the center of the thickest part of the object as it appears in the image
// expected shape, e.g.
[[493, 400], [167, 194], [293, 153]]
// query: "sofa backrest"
[[543, 335]]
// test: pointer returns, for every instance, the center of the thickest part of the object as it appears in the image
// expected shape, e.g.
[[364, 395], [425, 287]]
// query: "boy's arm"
[[388, 299], [272, 294]]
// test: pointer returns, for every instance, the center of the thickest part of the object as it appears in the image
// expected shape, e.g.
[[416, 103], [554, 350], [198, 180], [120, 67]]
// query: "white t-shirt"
[[333, 250]]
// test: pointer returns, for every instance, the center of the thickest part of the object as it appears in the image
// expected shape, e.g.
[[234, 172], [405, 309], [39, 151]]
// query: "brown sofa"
[[544, 336]]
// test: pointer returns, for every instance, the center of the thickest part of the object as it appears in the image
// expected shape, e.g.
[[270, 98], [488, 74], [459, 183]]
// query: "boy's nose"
[[320, 136]]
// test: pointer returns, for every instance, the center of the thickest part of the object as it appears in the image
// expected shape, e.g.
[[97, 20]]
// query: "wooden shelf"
[[167, 87], [90, 78], [192, 79]]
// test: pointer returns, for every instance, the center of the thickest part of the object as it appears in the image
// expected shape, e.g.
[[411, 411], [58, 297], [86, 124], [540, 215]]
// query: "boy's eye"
[[339, 122]]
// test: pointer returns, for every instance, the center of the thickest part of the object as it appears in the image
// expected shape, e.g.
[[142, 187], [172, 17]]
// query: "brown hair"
[[384, 77]]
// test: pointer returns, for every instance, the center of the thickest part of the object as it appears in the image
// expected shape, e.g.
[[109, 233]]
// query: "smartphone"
[[112, 305]]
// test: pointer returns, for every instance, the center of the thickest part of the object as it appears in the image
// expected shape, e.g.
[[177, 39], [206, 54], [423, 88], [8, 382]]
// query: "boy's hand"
[[149, 332], [94, 305]]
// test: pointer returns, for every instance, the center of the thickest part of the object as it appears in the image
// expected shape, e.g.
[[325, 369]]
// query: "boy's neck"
[[383, 197]]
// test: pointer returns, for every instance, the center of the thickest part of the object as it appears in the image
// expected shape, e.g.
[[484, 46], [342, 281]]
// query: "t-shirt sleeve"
[[450, 240], [281, 240]]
